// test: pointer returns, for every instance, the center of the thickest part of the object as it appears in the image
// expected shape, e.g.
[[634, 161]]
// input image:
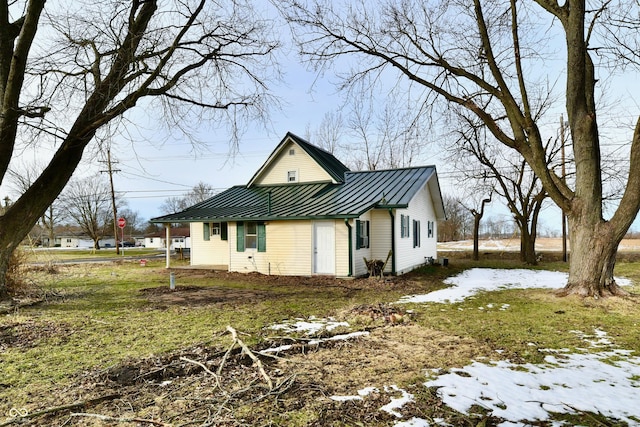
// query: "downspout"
[[393, 242], [346, 222], [269, 203]]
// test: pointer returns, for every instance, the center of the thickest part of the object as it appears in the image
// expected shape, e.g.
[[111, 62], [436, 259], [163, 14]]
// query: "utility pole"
[[111, 171], [564, 180]]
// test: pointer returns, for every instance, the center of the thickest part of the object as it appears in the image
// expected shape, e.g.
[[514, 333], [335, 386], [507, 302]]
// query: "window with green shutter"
[[251, 235], [240, 236], [262, 237]]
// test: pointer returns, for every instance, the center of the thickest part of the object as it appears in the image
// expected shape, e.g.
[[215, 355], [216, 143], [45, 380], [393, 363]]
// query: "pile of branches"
[[202, 386]]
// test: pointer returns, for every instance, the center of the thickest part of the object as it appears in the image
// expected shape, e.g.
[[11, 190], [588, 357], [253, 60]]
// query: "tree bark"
[[593, 258]]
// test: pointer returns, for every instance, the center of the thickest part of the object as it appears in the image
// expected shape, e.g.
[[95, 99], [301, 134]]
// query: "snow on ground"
[[475, 280], [311, 326], [606, 381]]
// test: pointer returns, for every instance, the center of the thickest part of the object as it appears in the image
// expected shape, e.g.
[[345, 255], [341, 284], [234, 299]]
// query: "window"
[[214, 229], [69, 240], [362, 234], [404, 226], [416, 234], [292, 176], [251, 235], [292, 151], [151, 240], [430, 226]]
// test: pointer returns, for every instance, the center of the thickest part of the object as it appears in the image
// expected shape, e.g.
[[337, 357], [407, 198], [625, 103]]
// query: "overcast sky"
[[153, 168]]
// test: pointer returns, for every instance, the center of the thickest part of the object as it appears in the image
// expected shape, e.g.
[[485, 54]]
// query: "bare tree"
[[87, 201], [488, 57], [514, 181], [457, 224], [66, 71], [21, 177], [199, 193], [329, 133], [476, 205]]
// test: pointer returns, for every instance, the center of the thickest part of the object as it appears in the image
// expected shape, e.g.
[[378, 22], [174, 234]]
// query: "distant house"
[[180, 238], [304, 213], [79, 240]]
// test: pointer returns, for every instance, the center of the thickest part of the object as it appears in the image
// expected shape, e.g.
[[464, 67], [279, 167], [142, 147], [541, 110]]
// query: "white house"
[[81, 241], [180, 239], [305, 213]]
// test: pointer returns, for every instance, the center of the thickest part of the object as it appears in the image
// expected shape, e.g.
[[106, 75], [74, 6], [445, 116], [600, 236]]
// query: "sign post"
[[121, 223]]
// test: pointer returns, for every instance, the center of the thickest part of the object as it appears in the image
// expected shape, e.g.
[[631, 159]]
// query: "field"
[[110, 344]]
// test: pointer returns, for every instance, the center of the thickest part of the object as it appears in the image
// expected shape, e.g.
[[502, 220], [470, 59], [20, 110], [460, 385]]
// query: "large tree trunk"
[[593, 258], [527, 246], [12, 231]]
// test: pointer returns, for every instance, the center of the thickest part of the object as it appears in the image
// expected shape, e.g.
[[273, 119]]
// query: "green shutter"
[[224, 232], [206, 231], [368, 235], [240, 237], [262, 237], [358, 234]]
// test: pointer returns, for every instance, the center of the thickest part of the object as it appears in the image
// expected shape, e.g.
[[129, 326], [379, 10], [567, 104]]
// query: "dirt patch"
[[188, 295], [199, 295], [27, 334]]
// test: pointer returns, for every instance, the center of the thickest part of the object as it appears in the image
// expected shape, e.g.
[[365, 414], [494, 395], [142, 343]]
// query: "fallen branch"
[[202, 365], [120, 420], [54, 409], [248, 352]]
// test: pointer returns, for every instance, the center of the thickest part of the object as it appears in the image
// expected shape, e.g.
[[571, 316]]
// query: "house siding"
[[214, 251], [288, 250], [342, 247], [304, 165], [421, 209], [381, 237], [360, 269]]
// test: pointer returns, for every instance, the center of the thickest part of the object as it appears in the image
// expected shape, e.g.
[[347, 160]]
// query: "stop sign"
[[121, 222]]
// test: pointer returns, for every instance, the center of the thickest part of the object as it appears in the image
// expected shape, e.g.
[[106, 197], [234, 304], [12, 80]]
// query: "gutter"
[[346, 222], [393, 242]]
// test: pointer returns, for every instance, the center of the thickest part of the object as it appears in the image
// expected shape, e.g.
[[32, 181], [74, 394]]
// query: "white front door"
[[324, 248]]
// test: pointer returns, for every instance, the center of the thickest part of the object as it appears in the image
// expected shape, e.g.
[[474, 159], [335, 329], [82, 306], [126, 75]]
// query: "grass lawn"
[[100, 321]]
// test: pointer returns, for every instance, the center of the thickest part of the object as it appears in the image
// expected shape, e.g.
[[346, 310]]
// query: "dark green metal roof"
[[360, 192], [334, 167]]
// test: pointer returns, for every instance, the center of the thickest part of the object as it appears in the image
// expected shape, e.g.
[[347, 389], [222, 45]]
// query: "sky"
[[600, 378], [151, 168]]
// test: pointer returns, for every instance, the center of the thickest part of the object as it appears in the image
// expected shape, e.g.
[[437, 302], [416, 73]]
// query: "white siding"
[[306, 168], [381, 236], [288, 251], [360, 269], [421, 209], [342, 248], [214, 251]]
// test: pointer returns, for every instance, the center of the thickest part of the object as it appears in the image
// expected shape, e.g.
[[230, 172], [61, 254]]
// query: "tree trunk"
[[476, 231], [527, 246], [593, 258], [12, 231], [5, 256]]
